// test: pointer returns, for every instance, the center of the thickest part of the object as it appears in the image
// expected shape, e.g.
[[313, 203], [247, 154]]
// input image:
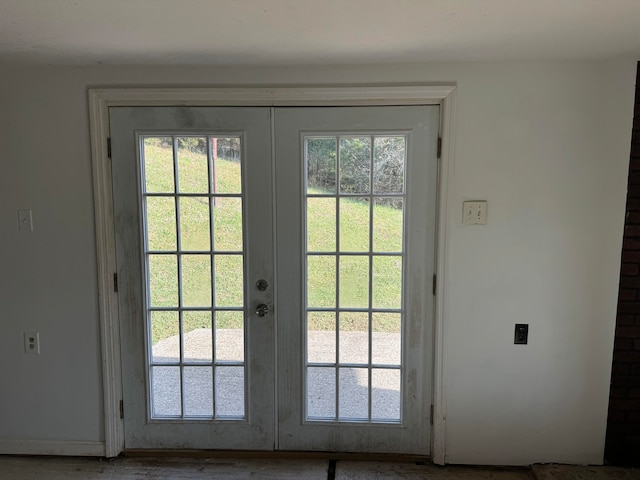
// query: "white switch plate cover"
[[474, 213], [32, 343], [25, 220]]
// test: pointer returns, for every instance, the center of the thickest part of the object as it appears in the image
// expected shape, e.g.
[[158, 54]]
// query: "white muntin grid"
[[181, 365], [338, 366]]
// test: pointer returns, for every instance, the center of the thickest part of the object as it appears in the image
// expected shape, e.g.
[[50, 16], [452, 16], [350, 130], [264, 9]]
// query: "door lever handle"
[[262, 310]]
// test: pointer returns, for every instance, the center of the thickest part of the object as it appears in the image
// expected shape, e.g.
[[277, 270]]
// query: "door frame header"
[[273, 96], [100, 99]]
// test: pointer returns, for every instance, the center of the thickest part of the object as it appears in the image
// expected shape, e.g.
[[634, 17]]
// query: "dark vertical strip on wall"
[[623, 423]]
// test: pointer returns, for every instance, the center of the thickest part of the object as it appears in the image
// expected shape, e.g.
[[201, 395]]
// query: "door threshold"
[[276, 455]]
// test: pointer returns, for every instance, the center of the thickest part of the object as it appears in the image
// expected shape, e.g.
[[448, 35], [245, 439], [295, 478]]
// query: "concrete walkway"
[[321, 382]]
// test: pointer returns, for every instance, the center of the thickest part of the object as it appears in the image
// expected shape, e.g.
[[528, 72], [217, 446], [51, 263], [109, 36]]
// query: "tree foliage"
[[226, 147], [355, 163]]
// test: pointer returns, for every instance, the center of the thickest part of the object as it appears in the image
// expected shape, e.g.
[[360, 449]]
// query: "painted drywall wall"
[[547, 144]]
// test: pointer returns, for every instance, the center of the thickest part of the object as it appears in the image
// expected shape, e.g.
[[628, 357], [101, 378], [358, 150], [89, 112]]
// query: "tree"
[[356, 163]]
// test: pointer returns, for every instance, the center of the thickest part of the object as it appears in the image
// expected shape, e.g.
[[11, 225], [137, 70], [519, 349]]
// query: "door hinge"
[[109, 147], [435, 284], [439, 148], [431, 415], [115, 282], [121, 408]]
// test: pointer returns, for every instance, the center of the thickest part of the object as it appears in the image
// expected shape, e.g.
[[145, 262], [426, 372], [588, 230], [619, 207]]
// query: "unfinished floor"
[[65, 468]]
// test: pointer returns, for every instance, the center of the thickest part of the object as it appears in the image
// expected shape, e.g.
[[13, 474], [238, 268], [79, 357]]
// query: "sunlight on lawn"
[[227, 216]]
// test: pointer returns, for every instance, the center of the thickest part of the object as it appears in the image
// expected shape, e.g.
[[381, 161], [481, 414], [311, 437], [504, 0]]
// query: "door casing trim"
[[99, 102]]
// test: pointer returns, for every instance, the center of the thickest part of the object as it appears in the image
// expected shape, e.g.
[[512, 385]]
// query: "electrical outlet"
[[521, 336], [32, 343]]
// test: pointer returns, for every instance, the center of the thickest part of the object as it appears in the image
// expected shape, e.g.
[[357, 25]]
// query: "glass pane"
[[198, 391], [230, 336], [354, 394], [321, 337], [227, 224], [229, 281], [321, 393], [157, 155], [194, 224], [229, 391], [193, 169], [166, 396], [196, 280], [388, 164], [227, 165], [165, 337], [355, 164], [354, 337], [354, 224], [161, 223], [321, 281], [163, 281], [321, 165], [387, 282], [197, 336], [354, 282], [387, 338], [321, 224], [387, 225], [385, 394]]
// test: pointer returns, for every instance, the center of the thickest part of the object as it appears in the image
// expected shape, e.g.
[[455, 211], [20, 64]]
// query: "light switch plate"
[[474, 213], [25, 220]]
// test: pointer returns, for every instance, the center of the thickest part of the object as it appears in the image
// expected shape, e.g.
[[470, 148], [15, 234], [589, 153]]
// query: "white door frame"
[[99, 102]]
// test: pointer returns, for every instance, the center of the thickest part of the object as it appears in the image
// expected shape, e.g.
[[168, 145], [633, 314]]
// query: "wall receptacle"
[[32, 343], [521, 336]]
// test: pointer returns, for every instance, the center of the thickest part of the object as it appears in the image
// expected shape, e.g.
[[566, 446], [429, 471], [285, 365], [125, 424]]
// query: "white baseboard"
[[52, 447]]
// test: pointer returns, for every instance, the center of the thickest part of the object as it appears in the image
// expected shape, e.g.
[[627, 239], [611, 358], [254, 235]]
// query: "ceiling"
[[306, 32]]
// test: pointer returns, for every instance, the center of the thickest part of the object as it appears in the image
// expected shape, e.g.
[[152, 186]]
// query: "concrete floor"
[[69, 468]]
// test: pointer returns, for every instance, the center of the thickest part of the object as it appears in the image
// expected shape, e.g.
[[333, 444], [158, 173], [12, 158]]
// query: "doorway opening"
[[307, 256]]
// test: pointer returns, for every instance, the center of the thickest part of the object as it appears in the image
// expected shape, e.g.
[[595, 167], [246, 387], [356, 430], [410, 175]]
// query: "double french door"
[[274, 270]]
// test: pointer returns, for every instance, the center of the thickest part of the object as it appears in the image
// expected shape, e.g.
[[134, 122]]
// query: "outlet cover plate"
[[32, 343], [521, 335]]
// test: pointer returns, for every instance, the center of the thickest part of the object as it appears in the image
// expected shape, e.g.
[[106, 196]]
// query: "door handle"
[[262, 310]]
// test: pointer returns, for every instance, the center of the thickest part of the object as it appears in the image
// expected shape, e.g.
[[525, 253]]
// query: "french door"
[[274, 276]]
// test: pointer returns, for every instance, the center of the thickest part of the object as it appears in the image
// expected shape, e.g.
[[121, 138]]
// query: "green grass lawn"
[[354, 234]]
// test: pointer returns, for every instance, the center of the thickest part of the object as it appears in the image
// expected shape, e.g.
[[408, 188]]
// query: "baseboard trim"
[[52, 447]]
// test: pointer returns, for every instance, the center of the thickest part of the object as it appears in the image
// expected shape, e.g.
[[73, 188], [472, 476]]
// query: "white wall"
[[547, 144]]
